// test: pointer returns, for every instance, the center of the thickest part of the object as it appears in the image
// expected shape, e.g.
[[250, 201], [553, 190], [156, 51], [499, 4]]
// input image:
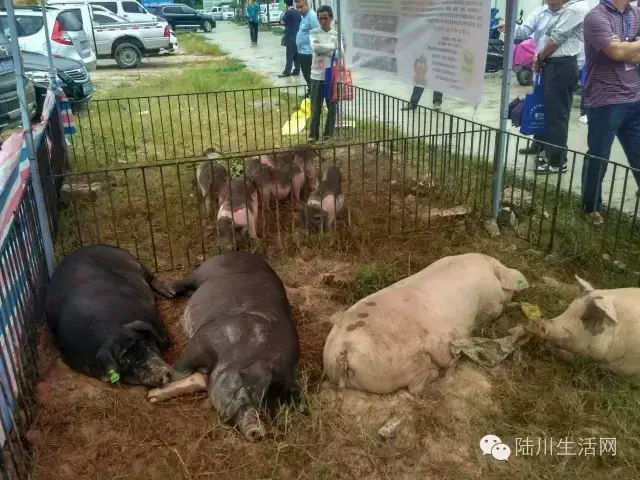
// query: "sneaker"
[[531, 150], [409, 107], [295, 73], [312, 139], [541, 158], [283, 75], [583, 119], [594, 218], [437, 106], [545, 168]]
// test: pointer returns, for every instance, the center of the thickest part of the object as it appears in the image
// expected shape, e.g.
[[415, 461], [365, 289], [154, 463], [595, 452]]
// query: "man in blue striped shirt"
[[309, 22]]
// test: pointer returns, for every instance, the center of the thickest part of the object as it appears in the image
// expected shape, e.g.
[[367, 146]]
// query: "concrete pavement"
[[267, 58]]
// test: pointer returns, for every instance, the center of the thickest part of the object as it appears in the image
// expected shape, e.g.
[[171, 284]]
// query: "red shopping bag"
[[347, 86]]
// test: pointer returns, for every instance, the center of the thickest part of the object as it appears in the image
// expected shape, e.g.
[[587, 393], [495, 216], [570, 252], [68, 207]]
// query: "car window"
[[25, 25], [69, 21], [188, 10], [112, 6], [132, 7], [153, 10], [77, 13], [172, 10], [102, 19]]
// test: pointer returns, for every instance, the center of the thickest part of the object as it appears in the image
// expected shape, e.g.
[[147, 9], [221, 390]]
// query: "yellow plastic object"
[[298, 120], [531, 311]]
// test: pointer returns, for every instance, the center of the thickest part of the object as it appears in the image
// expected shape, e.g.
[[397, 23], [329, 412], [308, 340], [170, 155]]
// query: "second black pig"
[[243, 347]]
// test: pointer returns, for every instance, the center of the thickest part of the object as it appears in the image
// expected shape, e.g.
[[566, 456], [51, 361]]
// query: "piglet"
[[279, 183], [211, 178], [238, 215], [603, 325], [325, 202], [301, 155]]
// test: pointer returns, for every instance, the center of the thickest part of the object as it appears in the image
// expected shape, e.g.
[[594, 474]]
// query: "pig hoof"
[[154, 395]]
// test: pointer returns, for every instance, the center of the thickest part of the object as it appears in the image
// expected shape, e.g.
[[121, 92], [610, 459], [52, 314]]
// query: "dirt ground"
[[109, 76], [93, 430]]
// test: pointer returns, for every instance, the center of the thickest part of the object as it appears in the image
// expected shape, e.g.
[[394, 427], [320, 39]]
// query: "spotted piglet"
[[238, 215], [325, 202], [211, 178]]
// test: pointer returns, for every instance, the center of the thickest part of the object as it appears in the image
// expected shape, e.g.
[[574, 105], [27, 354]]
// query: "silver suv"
[[9, 101], [68, 38]]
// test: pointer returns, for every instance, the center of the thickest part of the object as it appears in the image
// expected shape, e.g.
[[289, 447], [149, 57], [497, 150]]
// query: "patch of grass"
[[371, 278], [195, 43]]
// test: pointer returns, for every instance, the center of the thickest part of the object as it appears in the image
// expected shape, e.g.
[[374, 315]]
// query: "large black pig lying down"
[[243, 347], [101, 310]]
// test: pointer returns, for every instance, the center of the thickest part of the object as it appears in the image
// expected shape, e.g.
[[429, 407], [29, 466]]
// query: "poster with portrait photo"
[[438, 44]]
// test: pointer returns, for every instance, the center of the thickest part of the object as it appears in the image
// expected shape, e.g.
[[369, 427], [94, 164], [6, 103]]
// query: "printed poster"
[[437, 44]]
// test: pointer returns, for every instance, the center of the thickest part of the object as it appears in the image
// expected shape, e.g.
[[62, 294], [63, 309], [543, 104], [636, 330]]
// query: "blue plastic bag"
[[533, 110], [327, 86]]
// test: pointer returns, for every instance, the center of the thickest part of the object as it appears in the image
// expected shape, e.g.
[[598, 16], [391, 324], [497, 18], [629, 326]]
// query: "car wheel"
[[127, 55], [206, 26]]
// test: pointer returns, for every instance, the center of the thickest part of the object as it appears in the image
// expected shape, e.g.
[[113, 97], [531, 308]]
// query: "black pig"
[[243, 347], [101, 310]]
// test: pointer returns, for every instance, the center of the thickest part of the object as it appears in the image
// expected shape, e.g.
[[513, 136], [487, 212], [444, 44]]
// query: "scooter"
[[495, 50], [524, 52]]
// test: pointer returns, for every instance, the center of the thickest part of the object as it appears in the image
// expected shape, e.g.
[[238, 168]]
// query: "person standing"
[[308, 22], [253, 15], [291, 20], [537, 24], [559, 61], [324, 42], [611, 95], [415, 99]]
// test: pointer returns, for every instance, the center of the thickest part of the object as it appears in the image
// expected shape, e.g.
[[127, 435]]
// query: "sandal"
[[594, 218]]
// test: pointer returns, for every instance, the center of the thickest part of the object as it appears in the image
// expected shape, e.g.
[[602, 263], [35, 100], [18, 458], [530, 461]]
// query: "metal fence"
[[158, 139], [23, 278]]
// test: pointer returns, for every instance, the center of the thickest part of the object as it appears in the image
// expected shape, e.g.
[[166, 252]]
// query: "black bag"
[[283, 40]]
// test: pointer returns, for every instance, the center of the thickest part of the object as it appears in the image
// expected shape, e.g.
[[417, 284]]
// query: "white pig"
[[399, 336], [603, 325]]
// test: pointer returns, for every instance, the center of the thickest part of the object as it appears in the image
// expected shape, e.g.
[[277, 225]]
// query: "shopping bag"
[[346, 89], [327, 86], [533, 110]]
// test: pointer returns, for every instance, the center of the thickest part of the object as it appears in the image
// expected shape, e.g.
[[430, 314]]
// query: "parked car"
[[68, 39], [228, 13], [129, 40], [215, 12], [182, 16], [129, 9], [275, 15], [73, 77], [9, 101]]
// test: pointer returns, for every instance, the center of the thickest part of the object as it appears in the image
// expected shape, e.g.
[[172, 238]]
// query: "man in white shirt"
[[537, 24]]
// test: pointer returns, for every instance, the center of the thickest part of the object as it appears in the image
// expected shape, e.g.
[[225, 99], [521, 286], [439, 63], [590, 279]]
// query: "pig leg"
[[194, 383], [157, 285], [186, 286], [208, 204]]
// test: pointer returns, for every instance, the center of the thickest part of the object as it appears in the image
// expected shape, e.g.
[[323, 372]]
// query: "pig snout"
[[249, 424], [158, 373]]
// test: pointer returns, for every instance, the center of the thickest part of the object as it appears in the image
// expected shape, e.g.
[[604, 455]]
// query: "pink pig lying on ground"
[[603, 325], [399, 336]]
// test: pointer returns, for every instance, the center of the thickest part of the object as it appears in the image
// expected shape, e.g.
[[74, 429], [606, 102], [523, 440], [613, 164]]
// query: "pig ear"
[[600, 308], [146, 328], [510, 279], [257, 377], [585, 287]]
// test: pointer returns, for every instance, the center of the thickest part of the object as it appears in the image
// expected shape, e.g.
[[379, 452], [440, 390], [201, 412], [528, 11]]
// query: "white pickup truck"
[[112, 36], [126, 41]]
